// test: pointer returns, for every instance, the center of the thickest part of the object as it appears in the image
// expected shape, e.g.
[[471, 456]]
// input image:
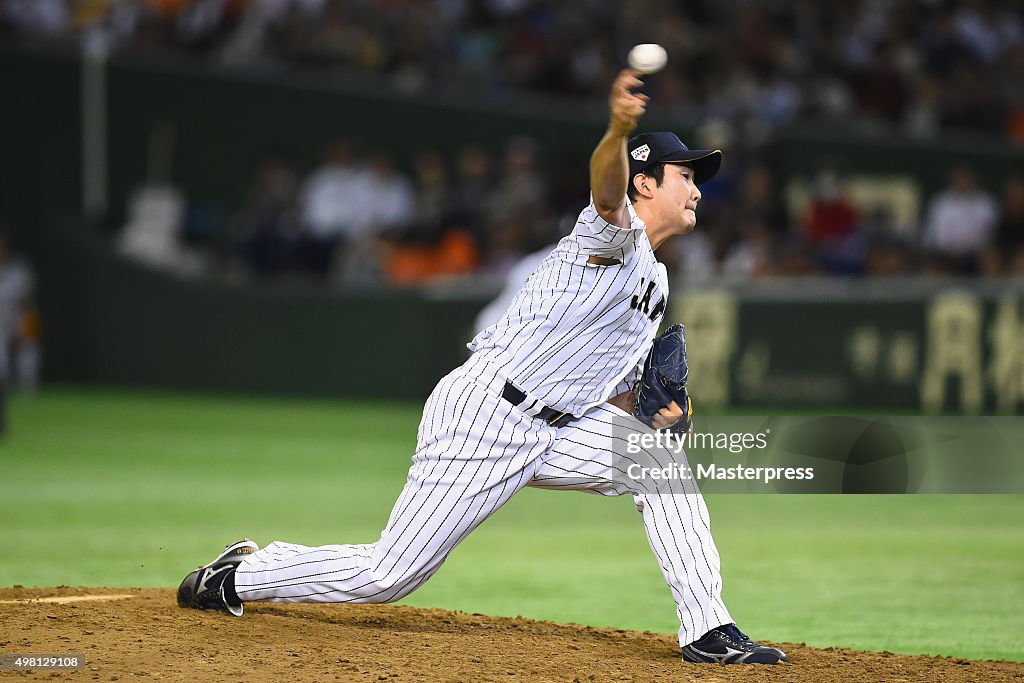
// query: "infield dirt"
[[141, 633]]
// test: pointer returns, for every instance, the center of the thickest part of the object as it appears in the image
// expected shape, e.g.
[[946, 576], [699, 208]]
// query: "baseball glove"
[[664, 380]]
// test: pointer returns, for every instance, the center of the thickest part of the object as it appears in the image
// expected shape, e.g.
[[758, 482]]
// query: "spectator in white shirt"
[[331, 202], [960, 223]]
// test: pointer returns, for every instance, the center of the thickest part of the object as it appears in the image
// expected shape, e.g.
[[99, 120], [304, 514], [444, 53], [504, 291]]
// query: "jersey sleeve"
[[597, 237]]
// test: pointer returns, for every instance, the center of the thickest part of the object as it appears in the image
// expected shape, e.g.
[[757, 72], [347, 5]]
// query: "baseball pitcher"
[[534, 406]]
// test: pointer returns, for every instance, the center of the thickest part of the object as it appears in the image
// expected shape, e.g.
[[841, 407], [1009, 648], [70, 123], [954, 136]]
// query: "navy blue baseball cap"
[[648, 149]]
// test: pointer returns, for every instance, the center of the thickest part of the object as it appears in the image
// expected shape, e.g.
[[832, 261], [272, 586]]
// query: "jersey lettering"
[[658, 309], [643, 303], [635, 301]]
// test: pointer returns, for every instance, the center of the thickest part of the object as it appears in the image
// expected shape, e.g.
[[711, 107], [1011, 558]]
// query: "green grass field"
[[133, 489]]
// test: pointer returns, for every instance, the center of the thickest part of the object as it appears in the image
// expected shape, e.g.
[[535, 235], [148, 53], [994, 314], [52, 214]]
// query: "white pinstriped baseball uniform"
[[572, 338]]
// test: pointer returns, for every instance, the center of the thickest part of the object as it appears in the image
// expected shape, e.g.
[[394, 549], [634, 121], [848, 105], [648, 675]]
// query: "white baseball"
[[647, 58]]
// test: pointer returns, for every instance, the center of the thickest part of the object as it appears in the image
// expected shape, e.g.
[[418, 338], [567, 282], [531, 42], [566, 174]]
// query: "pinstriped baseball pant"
[[474, 452]]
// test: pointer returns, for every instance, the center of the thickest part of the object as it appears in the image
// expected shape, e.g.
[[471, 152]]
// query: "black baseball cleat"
[[205, 587], [729, 645]]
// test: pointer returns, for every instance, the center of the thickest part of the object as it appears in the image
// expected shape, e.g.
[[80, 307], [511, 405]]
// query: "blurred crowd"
[[921, 65], [740, 71], [357, 218], [754, 225]]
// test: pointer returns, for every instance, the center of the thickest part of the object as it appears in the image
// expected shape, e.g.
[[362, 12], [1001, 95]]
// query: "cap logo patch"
[[641, 153]]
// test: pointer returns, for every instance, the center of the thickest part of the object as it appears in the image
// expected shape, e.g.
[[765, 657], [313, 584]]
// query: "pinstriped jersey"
[[575, 329]]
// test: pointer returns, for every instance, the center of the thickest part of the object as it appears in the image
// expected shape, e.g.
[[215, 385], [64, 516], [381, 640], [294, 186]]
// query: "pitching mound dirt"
[[145, 635]]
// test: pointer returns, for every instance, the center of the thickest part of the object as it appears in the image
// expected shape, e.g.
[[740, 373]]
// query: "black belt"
[[555, 418]]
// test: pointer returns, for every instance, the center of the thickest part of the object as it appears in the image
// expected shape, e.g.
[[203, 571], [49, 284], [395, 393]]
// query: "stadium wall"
[[915, 345]]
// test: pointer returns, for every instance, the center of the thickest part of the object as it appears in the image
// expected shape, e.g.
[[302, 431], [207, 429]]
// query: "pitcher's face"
[[678, 196]]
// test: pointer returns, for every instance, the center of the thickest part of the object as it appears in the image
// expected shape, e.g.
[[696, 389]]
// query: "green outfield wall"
[[899, 345], [910, 345], [109, 321]]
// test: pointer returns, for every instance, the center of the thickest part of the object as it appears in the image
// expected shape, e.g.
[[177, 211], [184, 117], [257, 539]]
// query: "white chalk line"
[[60, 600]]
